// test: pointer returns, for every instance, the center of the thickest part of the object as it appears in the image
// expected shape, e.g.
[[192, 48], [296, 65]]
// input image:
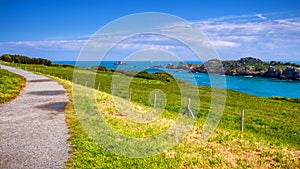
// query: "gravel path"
[[33, 131]]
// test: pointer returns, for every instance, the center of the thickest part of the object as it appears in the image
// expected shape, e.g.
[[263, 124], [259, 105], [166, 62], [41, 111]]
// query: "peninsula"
[[247, 66]]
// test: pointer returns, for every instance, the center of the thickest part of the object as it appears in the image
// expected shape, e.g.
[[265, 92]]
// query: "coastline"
[[247, 66], [258, 86]]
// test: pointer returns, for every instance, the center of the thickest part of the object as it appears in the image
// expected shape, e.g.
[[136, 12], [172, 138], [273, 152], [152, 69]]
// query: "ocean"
[[264, 87]]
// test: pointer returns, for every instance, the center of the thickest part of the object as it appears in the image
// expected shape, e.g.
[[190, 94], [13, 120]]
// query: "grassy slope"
[[271, 136], [10, 85]]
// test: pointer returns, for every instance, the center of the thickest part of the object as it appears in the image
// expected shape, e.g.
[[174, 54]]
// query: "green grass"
[[271, 136], [10, 85]]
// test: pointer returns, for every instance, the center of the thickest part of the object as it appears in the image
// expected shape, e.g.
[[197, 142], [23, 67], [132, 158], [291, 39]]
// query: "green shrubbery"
[[62, 65], [162, 76], [295, 100], [24, 59]]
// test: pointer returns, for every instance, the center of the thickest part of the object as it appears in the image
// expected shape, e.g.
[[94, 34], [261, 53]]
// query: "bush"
[[162, 76], [24, 59], [295, 100], [100, 68]]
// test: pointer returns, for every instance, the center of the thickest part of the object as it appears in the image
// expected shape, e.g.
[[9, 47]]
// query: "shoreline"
[[247, 66], [258, 86]]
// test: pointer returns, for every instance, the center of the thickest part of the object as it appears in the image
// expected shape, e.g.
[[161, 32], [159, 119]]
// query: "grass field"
[[270, 138], [10, 85]]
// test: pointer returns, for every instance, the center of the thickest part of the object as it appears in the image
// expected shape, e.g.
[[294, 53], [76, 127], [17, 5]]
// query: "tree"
[[6, 58], [24, 59]]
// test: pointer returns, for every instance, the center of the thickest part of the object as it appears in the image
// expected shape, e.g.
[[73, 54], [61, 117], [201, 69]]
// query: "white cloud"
[[261, 16], [58, 44], [266, 36], [221, 43]]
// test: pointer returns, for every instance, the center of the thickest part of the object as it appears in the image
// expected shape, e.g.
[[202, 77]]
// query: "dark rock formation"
[[120, 63], [289, 73], [272, 72], [181, 65], [157, 66], [171, 66], [247, 66], [250, 60], [297, 76]]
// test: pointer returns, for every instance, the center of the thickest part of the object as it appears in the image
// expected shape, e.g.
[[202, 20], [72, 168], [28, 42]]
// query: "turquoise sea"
[[264, 87]]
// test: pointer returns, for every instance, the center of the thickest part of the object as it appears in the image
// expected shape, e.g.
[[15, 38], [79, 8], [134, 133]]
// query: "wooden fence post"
[[188, 110], [85, 83], [98, 85], [130, 92], [154, 102], [112, 89], [242, 120]]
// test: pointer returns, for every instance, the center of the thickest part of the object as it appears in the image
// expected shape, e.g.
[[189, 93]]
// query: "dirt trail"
[[33, 131]]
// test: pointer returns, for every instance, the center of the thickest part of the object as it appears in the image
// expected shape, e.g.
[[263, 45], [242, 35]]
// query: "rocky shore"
[[247, 66]]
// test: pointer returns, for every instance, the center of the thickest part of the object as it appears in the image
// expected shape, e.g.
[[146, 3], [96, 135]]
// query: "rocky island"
[[247, 66], [120, 63]]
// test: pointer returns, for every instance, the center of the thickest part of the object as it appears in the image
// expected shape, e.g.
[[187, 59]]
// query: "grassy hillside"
[[271, 136], [10, 85]]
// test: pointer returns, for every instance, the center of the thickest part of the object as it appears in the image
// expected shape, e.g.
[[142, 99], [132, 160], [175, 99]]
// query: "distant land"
[[247, 66]]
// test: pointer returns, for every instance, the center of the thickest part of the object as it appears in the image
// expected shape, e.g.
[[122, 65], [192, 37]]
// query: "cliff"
[[247, 66]]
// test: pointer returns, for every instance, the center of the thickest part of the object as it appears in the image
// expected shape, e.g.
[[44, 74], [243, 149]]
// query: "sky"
[[58, 29]]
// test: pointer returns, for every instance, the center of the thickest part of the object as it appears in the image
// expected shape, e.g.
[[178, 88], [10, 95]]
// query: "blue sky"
[[58, 29]]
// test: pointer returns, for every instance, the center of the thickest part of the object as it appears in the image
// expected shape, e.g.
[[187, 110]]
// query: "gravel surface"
[[33, 131]]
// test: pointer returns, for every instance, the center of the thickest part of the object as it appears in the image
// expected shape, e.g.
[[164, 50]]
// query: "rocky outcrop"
[[290, 73], [272, 72], [247, 66], [297, 76], [157, 66], [120, 63], [181, 65], [171, 66], [250, 60], [193, 68]]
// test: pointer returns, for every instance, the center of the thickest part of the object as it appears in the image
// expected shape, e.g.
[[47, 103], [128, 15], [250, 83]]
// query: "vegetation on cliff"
[[247, 66]]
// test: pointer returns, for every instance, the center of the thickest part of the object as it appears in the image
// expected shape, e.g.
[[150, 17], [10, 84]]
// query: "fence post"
[[154, 102], [188, 109], [112, 89], [98, 85], [130, 92], [85, 83], [242, 120]]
